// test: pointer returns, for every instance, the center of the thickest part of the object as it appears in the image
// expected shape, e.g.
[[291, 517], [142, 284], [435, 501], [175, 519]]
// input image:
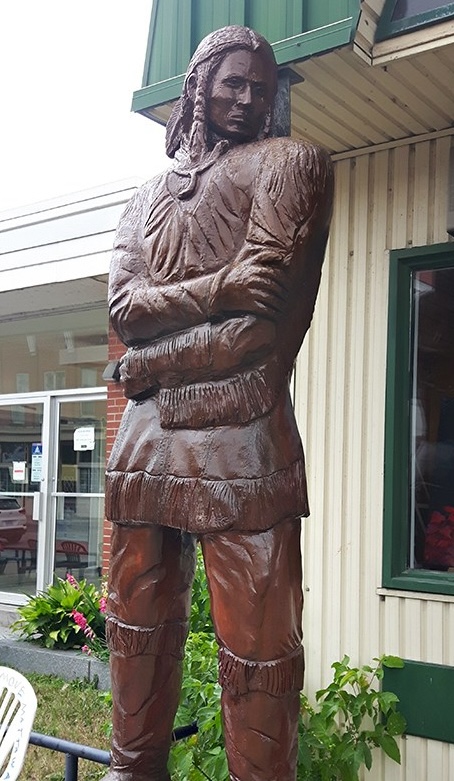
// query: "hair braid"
[[197, 141]]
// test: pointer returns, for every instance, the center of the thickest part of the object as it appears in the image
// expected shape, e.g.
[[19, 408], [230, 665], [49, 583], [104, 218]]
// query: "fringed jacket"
[[213, 295]]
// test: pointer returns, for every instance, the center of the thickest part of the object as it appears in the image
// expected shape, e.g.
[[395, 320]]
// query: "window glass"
[[402, 16], [54, 352], [431, 502], [418, 530], [405, 9], [20, 474]]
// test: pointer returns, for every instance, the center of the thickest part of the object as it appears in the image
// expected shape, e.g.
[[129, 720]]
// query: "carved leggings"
[[256, 602]]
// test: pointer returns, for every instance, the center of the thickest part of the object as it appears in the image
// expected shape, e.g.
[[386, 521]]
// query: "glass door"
[[76, 505], [23, 474], [52, 464]]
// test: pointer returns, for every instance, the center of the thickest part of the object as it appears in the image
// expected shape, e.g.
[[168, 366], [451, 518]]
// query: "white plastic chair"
[[17, 711]]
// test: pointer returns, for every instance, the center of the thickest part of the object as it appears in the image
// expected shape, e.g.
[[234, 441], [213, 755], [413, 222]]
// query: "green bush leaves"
[[47, 618], [351, 718]]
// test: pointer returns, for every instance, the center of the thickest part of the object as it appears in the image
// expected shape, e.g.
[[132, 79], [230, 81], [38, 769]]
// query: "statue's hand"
[[134, 378], [255, 288]]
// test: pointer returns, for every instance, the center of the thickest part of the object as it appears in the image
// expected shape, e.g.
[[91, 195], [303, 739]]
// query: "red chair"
[[73, 551]]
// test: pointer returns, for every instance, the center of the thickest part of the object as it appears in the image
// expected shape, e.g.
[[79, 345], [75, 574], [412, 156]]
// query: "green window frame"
[[387, 28], [397, 574]]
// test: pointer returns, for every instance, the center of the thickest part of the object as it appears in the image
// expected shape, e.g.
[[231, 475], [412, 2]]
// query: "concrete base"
[[8, 614], [69, 665]]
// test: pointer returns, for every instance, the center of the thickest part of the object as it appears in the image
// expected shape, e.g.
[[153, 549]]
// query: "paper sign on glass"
[[84, 438], [19, 471]]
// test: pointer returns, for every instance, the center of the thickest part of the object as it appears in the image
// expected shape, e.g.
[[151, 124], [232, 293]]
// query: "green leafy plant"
[[351, 718], [202, 755], [200, 606], [68, 614]]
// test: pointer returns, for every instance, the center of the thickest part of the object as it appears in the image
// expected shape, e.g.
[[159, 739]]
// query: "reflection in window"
[[53, 352], [432, 421], [54, 381]]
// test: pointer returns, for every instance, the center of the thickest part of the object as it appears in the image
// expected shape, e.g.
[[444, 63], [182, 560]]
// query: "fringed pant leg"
[[255, 582], [150, 580]]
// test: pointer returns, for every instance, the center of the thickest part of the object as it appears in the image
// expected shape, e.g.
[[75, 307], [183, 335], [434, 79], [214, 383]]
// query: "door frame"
[[46, 521]]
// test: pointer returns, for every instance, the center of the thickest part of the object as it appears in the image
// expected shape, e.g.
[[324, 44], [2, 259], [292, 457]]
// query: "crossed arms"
[[206, 327]]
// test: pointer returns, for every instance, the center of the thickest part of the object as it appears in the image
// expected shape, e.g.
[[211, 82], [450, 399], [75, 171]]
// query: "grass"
[[71, 710]]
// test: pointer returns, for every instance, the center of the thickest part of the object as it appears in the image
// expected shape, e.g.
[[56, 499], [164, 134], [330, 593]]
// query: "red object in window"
[[439, 545]]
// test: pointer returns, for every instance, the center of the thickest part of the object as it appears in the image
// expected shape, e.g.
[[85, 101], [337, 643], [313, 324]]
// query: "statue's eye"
[[259, 90], [234, 83]]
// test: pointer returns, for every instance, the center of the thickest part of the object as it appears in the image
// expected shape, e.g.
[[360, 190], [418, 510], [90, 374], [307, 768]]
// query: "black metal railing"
[[75, 751]]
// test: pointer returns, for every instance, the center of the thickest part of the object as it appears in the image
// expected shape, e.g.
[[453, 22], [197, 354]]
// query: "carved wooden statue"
[[214, 277]]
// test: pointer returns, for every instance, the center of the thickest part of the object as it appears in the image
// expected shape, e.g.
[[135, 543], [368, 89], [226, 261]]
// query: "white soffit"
[[344, 103], [70, 296]]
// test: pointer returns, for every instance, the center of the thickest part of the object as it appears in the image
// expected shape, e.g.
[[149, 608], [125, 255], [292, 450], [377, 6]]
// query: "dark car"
[[13, 522]]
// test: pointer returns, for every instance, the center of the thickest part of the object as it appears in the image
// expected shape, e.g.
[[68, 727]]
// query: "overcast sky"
[[68, 69]]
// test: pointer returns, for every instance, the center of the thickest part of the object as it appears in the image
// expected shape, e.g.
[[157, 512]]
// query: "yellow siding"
[[388, 199]]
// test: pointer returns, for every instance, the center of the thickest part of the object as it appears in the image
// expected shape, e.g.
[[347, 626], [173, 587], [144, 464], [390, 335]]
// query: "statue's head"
[[228, 93]]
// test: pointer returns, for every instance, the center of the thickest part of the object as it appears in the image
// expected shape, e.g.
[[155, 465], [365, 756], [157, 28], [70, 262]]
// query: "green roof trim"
[[302, 46], [156, 94], [297, 29], [387, 28], [292, 49]]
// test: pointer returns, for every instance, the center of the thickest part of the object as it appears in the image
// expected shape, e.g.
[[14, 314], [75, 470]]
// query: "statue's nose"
[[245, 95]]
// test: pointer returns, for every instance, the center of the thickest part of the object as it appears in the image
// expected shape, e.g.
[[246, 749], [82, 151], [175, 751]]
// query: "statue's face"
[[240, 96]]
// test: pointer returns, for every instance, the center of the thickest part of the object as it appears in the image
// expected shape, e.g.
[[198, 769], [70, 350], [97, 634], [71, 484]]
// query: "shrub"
[[200, 606], [68, 614], [202, 755], [351, 717]]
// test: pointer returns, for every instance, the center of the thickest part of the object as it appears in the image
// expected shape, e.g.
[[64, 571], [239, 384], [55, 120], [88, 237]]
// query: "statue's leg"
[[150, 578], [255, 583]]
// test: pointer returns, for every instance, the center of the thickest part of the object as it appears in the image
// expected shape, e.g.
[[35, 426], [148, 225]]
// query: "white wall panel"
[[389, 199], [67, 238]]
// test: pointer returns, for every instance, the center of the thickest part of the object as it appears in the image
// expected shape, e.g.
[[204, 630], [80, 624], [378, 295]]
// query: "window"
[[401, 16], [53, 351], [419, 448], [405, 9]]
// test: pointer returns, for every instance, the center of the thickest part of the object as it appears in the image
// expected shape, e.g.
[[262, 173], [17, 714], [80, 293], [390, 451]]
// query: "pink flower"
[[86, 650], [103, 604], [88, 632], [79, 619], [72, 580]]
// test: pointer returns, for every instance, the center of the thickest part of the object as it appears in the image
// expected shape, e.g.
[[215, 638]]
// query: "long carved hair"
[[187, 134]]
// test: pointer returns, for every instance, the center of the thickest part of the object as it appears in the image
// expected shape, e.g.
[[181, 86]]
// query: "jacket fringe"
[[200, 505], [278, 677], [159, 640], [235, 400], [137, 377]]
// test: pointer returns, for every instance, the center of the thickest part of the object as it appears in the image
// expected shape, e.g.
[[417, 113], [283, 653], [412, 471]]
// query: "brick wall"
[[116, 403]]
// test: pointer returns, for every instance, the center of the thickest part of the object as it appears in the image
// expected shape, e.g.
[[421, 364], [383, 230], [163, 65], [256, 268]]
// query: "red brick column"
[[116, 403]]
